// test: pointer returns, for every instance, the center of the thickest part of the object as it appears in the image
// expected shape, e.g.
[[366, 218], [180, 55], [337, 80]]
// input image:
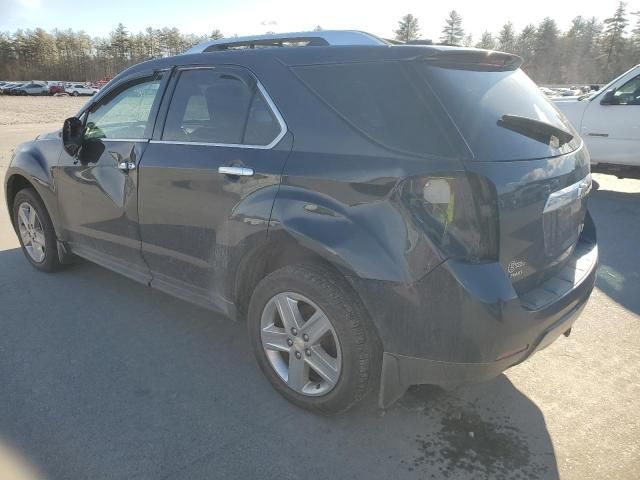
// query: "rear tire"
[[35, 231], [339, 367]]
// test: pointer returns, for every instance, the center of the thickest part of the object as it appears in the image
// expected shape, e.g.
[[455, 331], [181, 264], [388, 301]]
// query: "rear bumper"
[[399, 372], [465, 323]]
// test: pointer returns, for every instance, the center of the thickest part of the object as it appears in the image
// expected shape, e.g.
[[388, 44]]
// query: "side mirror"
[[608, 98], [72, 135]]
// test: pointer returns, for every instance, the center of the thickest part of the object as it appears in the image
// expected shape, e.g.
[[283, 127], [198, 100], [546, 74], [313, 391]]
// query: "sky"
[[246, 17]]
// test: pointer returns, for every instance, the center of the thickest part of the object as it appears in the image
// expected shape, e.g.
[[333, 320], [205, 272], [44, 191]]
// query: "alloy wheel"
[[301, 344], [31, 232]]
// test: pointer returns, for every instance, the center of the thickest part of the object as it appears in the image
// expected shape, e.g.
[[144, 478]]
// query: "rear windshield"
[[502, 115], [385, 102]]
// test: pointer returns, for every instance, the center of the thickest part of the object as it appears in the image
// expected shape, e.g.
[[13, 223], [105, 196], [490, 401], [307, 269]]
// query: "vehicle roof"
[[329, 37], [291, 56]]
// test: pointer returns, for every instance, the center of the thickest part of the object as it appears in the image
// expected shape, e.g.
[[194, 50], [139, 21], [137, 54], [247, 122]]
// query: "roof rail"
[[321, 38]]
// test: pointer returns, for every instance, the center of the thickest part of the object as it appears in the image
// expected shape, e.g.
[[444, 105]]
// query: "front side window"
[[214, 106], [126, 113], [629, 93]]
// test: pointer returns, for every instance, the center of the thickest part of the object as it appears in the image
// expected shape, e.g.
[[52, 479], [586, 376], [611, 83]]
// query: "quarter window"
[[126, 113], [379, 100], [214, 106]]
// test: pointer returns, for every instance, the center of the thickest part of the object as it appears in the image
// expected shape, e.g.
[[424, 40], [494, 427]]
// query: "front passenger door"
[[612, 131], [98, 188]]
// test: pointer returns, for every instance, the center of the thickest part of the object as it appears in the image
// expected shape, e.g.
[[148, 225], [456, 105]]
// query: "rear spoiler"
[[473, 59]]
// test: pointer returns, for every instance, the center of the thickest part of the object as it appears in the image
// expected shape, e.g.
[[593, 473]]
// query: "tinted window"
[[381, 101], [214, 106], [478, 102], [125, 113]]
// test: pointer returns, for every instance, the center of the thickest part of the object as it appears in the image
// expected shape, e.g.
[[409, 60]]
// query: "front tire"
[[313, 339], [35, 231], [74, 94]]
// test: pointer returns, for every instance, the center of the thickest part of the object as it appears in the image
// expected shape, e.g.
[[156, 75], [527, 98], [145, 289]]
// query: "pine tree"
[[452, 33], [635, 38], [408, 28], [614, 41], [120, 47], [507, 38], [486, 41], [525, 46], [546, 61], [216, 35]]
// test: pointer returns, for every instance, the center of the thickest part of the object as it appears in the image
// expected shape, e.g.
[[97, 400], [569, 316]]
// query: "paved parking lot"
[[103, 378]]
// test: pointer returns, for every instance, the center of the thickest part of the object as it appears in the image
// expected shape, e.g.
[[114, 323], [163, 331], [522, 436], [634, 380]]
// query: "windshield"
[[480, 101]]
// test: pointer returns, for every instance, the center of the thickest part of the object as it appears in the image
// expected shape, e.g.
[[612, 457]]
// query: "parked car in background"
[[75, 89], [55, 88], [548, 92], [428, 224], [15, 87], [609, 122], [7, 87], [31, 89]]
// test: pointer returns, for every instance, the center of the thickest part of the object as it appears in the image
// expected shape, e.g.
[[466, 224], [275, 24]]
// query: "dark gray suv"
[[382, 215]]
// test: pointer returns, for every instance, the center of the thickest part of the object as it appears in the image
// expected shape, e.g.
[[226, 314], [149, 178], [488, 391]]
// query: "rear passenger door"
[[218, 146]]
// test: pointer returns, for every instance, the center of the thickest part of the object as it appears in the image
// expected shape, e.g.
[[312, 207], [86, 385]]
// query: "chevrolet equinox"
[[381, 215]]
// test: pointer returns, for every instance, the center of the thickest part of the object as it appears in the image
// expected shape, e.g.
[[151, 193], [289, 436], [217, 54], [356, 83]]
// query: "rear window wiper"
[[537, 130]]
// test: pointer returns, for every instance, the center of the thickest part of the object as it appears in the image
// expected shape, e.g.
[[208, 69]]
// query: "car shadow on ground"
[[617, 218], [105, 378]]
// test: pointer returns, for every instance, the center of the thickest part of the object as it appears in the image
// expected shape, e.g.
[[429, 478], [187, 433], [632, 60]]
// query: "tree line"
[[590, 51], [69, 55]]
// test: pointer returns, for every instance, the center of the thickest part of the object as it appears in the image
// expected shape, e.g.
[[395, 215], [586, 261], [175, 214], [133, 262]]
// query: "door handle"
[[236, 171], [126, 166]]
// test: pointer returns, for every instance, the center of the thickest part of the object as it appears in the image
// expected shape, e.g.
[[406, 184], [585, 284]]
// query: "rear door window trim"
[[234, 69]]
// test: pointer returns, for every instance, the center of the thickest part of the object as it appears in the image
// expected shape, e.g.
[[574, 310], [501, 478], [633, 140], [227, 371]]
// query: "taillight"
[[457, 212]]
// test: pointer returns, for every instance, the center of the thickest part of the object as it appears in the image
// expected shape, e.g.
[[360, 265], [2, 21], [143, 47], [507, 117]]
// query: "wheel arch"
[[280, 250], [28, 172], [15, 183]]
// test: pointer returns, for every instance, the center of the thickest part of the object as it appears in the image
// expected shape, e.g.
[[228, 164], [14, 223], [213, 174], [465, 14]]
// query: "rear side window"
[[501, 114], [382, 102], [214, 106]]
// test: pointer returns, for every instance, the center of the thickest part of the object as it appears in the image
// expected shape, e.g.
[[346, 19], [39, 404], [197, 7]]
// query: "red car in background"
[[56, 88]]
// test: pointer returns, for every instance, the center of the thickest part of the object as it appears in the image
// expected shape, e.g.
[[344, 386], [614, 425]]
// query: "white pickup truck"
[[609, 121]]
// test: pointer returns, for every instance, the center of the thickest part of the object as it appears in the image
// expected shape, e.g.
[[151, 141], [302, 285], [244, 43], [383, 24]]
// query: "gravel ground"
[[103, 378], [30, 110]]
